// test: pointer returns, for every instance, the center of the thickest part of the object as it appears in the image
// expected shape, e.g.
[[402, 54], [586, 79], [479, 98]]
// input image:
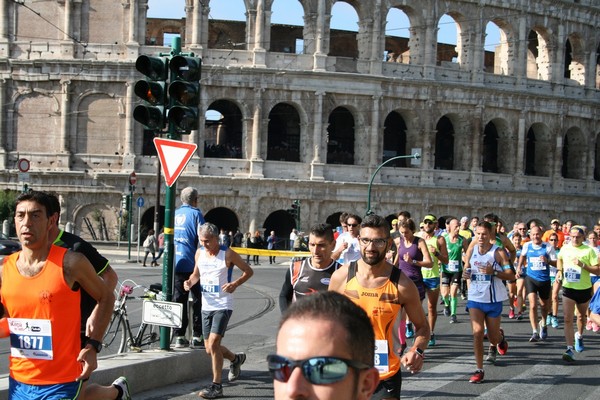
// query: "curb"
[[146, 370]]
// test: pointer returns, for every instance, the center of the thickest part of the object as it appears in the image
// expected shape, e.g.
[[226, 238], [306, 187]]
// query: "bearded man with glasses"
[[310, 365], [383, 290]]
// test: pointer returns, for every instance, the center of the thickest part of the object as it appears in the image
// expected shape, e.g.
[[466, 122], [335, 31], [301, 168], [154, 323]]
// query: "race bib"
[[453, 265], [536, 264], [382, 362], [572, 275], [210, 285], [30, 338]]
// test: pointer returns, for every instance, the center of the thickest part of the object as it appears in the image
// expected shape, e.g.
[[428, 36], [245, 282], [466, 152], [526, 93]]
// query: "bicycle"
[[119, 335]]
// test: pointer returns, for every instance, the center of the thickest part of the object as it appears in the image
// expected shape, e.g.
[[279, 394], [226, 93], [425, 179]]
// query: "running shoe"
[[477, 377], [453, 319], [568, 356], [534, 338], [519, 316], [211, 391], [121, 383], [235, 366], [446, 311], [579, 347], [595, 327], [549, 320], [511, 313], [491, 357], [543, 331], [463, 296], [181, 342], [485, 333], [588, 326], [431, 340], [410, 332], [197, 343], [554, 322], [503, 345]]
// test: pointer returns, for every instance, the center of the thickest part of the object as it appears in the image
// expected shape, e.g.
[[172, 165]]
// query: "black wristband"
[[96, 345], [419, 352]]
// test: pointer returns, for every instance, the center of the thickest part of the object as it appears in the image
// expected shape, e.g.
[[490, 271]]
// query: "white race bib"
[[30, 338]]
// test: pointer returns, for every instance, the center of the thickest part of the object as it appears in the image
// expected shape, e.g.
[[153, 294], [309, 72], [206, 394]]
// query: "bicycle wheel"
[[148, 337], [116, 335]]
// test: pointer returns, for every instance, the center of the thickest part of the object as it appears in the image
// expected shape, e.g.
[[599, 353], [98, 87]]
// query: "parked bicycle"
[[119, 336]]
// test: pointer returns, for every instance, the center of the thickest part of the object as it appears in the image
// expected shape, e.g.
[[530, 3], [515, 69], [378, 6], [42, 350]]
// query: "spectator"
[[149, 247]]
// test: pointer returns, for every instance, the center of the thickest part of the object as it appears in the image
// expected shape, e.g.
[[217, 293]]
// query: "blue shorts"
[[215, 322], [431, 283], [595, 303], [491, 310], [594, 279], [61, 391]]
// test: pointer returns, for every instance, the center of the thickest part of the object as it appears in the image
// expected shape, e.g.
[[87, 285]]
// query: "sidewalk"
[[146, 370]]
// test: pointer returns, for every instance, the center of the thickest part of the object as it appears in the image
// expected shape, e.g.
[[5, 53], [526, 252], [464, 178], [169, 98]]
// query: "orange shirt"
[[561, 237], [44, 322]]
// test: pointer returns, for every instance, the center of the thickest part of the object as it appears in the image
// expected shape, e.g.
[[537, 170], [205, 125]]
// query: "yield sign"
[[174, 156]]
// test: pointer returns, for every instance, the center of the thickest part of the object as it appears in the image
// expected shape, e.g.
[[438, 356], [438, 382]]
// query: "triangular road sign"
[[174, 156]]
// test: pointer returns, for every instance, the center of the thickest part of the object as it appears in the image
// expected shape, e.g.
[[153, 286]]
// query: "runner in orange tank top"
[[382, 291]]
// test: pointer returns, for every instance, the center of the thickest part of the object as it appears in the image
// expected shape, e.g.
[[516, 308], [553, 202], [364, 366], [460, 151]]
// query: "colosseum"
[[311, 113]]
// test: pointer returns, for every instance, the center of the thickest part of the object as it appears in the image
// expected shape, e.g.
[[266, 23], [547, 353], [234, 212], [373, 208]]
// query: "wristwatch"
[[495, 273], [96, 345]]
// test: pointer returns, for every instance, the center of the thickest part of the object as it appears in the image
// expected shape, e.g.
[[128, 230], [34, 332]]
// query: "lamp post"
[[416, 156]]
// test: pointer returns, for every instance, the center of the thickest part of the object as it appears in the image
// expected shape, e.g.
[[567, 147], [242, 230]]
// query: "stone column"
[[520, 48], [67, 45], [377, 40], [476, 156], [195, 36], [320, 58], [256, 162], [132, 38], [260, 55], [64, 117], [316, 166], [376, 134], [129, 124], [429, 50], [519, 173], [3, 128]]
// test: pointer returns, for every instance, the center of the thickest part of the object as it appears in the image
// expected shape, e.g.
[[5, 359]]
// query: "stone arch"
[[223, 218], [502, 60], [92, 109], [394, 139], [539, 54], [506, 143], [574, 155], [284, 133], [87, 220], [282, 223], [281, 33], [445, 52], [345, 43], [538, 150], [574, 67], [36, 124], [232, 34], [444, 144], [401, 42], [224, 138], [341, 135]]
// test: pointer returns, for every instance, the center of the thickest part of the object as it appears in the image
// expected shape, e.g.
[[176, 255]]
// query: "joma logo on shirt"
[[369, 294]]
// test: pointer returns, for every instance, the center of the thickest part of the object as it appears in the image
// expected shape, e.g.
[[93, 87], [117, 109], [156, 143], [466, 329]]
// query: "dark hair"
[[376, 222], [343, 217], [404, 214], [485, 225], [354, 216], [408, 224], [337, 308], [41, 198], [323, 231], [491, 217]]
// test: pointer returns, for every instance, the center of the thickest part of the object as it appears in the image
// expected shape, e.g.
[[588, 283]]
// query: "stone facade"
[[514, 132]]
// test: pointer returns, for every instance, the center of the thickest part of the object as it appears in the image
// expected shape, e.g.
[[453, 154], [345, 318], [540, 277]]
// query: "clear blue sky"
[[290, 12]]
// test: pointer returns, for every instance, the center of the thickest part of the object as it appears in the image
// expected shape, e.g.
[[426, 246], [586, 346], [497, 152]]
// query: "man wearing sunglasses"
[[370, 279], [346, 245], [325, 351]]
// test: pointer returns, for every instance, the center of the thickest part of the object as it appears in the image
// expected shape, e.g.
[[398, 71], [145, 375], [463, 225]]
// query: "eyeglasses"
[[353, 225], [428, 222], [553, 240], [316, 370], [376, 242]]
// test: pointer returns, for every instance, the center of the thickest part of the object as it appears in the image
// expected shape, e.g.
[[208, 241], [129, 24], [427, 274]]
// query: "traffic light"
[[295, 210], [153, 91], [184, 92]]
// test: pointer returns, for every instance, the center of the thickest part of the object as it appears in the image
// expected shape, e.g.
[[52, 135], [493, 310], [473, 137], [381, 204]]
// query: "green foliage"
[[8, 199]]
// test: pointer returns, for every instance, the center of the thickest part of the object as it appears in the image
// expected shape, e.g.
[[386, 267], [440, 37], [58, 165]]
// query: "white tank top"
[[485, 288], [213, 275]]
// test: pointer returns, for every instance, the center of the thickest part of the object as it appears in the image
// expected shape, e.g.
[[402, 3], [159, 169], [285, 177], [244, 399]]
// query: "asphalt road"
[[533, 371]]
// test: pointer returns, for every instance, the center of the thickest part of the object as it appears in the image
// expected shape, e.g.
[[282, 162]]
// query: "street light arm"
[[416, 156]]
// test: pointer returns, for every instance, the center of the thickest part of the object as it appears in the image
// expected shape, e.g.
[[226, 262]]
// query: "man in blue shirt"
[[188, 219]]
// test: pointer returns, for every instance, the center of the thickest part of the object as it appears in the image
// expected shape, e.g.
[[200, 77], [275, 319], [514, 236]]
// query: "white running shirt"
[[213, 275], [485, 288]]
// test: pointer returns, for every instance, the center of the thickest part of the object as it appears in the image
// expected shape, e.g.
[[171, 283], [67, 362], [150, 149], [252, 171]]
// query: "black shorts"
[[451, 278], [389, 388], [541, 288], [579, 296]]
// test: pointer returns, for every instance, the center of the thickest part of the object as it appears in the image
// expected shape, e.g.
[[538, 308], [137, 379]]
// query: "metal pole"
[[129, 210], [369, 211], [168, 257]]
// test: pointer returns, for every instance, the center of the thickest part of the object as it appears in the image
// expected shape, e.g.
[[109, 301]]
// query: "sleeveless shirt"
[[383, 307], [214, 273], [412, 271], [44, 322]]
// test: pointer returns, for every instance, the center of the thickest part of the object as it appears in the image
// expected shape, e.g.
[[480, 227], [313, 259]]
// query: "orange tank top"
[[383, 307], [44, 322]]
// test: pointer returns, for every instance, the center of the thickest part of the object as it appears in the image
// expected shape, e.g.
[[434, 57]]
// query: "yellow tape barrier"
[[272, 253]]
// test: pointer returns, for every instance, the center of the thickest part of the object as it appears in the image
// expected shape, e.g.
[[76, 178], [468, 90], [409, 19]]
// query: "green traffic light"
[[151, 117], [186, 68], [155, 68], [184, 118], [184, 93]]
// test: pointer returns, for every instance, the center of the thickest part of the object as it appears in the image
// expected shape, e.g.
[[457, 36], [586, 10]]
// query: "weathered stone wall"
[[69, 99]]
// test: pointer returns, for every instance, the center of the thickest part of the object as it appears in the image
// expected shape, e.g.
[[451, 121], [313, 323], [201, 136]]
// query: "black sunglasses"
[[353, 225], [316, 370]]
